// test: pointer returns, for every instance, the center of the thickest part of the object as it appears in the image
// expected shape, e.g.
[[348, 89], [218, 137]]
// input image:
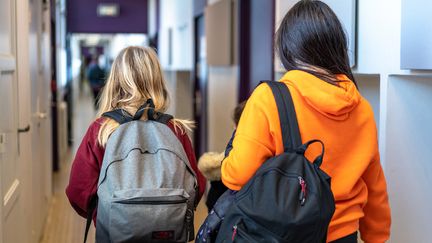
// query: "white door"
[[11, 183], [45, 100], [39, 44]]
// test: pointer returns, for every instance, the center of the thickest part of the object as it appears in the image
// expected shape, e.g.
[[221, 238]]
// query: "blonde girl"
[[135, 77]]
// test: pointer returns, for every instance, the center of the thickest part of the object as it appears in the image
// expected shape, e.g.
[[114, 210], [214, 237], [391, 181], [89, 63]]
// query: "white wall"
[[369, 86], [222, 99], [378, 49], [120, 41], [151, 17], [408, 165], [378, 36], [176, 55], [75, 57], [61, 45], [177, 17]]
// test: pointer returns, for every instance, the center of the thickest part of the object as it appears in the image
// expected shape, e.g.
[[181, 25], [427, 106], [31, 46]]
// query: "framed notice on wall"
[[416, 35]]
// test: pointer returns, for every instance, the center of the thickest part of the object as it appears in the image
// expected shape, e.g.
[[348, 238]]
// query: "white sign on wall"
[[108, 10]]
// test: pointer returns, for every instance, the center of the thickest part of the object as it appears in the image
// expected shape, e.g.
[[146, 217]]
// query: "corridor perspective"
[[60, 59]]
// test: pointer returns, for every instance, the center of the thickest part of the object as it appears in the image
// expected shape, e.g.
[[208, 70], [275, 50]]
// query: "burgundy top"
[[86, 166]]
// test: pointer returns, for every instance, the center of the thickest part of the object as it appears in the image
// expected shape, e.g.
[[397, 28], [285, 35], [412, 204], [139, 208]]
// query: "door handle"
[[41, 115], [25, 129]]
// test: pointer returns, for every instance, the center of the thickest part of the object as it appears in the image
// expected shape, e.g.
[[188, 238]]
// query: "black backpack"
[[289, 198]]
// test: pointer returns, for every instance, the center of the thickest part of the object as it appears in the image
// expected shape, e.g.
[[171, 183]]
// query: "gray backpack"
[[147, 189]]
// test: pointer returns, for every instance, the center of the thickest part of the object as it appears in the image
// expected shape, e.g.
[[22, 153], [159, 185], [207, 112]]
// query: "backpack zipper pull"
[[302, 197], [234, 232]]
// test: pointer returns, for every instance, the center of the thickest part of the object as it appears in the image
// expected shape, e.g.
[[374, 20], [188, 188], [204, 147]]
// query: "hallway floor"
[[63, 225]]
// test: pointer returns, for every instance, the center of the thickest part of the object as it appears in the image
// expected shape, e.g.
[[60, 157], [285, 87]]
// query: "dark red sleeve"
[[187, 145], [85, 170]]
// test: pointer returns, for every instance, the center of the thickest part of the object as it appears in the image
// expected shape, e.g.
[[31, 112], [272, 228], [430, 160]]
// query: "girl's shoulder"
[[96, 124], [93, 131], [177, 129], [180, 130]]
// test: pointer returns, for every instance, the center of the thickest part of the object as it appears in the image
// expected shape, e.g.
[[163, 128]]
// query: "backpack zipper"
[[302, 197], [143, 201], [234, 232]]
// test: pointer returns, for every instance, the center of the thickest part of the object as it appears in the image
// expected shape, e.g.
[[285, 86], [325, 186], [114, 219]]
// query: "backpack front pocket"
[[240, 234], [149, 215]]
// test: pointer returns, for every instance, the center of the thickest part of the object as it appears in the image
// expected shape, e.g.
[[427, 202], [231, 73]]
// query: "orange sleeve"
[[253, 142], [375, 225]]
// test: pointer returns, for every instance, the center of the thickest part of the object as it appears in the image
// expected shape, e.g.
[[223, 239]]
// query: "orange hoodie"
[[341, 118]]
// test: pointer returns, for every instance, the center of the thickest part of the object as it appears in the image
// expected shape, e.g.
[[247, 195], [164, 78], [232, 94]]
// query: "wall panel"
[[408, 167], [5, 27], [416, 34]]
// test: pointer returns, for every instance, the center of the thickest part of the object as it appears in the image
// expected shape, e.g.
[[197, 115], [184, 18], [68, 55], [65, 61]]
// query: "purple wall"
[[82, 17]]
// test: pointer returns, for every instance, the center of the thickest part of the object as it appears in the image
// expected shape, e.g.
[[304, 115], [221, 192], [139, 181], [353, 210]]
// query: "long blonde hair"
[[135, 77]]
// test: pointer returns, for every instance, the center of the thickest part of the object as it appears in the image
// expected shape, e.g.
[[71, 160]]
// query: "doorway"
[[200, 90]]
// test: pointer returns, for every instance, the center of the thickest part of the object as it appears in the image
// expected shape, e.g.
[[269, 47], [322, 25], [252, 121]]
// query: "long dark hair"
[[311, 38]]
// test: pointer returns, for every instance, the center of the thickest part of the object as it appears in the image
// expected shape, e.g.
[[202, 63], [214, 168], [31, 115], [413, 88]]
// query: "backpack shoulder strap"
[[287, 115], [153, 115], [121, 116], [91, 208], [118, 115], [164, 118]]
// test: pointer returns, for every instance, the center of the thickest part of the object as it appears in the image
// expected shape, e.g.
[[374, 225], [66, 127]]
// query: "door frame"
[[256, 24], [200, 93], [24, 112], [200, 85]]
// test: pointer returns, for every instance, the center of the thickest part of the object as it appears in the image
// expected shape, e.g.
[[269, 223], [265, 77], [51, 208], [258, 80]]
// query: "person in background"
[[210, 166], [85, 60], [135, 77], [312, 46], [96, 78]]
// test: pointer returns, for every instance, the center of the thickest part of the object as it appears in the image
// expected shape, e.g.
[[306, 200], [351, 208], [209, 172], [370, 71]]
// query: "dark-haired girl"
[[313, 48]]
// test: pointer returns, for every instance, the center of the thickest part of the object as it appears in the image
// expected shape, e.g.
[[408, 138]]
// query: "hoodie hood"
[[334, 102]]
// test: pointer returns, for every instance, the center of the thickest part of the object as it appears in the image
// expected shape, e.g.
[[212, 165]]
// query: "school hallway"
[[55, 56]]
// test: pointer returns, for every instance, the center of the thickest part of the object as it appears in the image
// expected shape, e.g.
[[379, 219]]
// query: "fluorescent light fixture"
[[108, 10]]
